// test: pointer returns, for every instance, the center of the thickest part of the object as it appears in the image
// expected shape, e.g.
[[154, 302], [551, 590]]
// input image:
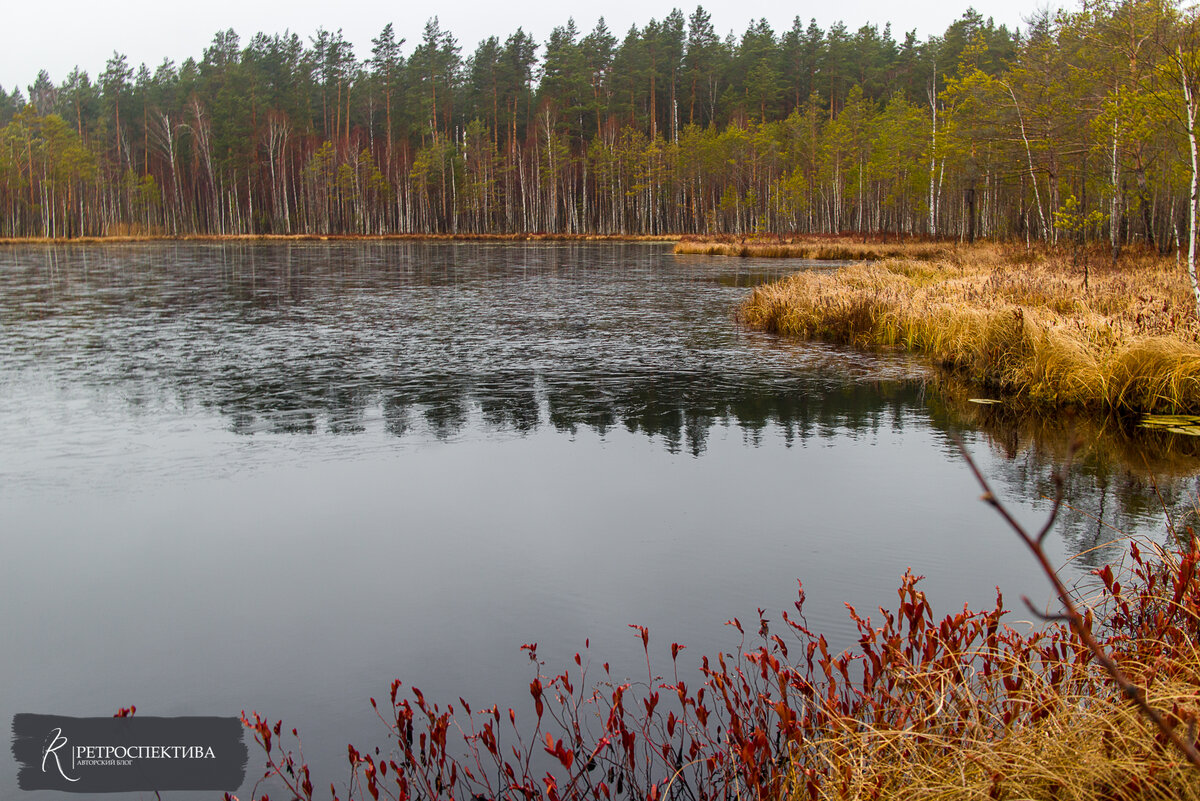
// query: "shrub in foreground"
[[960, 706]]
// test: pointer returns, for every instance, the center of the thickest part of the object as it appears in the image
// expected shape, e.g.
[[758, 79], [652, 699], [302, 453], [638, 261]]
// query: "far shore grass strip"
[[821, 248], [1018, 323]]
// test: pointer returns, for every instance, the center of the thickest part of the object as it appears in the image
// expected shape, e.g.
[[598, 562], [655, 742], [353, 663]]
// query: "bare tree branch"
[[1071, 613]]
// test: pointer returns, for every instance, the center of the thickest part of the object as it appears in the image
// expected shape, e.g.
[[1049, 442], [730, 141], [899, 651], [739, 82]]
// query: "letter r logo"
[[57, 741]]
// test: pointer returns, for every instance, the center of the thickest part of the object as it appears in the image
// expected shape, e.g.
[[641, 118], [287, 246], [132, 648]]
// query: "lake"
[[274, 477]]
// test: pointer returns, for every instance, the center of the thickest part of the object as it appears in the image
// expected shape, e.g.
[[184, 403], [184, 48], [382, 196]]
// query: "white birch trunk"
[[1114, 222], [1029, 159], [1189, 100], [933, 154]]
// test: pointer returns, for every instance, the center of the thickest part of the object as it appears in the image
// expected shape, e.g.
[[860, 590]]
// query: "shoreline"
[[805, 246]]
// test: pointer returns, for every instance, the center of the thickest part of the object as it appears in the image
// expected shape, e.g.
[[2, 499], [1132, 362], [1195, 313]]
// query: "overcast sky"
[[65, 33]]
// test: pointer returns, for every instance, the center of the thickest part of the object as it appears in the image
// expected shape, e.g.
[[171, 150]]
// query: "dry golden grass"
[[1087, 748], [1012, 322], [827, 248]]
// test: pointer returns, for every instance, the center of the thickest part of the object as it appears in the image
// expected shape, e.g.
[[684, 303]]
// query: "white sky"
[[66, 33]]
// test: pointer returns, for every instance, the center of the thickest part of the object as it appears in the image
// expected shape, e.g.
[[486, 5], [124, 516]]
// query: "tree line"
[[1080, 125]]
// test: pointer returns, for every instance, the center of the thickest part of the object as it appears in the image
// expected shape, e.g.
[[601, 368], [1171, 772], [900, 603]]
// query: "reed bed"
[[1023, 325], [830, 248]]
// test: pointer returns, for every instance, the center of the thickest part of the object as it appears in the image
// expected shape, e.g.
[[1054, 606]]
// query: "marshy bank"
[[826, 248], [1031, 326]]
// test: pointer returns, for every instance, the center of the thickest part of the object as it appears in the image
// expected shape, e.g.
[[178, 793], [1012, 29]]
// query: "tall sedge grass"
[[1025, 326], [835, 248], [1084, 749]]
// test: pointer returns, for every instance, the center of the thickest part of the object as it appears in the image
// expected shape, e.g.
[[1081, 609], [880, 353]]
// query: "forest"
[[1080, 124]]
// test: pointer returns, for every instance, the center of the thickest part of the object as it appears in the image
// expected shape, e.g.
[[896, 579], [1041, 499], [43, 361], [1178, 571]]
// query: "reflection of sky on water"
[[276, 477]]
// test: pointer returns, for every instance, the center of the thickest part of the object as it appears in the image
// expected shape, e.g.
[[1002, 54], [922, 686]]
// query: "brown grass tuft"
[[1085, 749]]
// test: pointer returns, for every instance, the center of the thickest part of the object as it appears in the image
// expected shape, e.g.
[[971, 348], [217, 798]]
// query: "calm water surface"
[[276, 477]]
